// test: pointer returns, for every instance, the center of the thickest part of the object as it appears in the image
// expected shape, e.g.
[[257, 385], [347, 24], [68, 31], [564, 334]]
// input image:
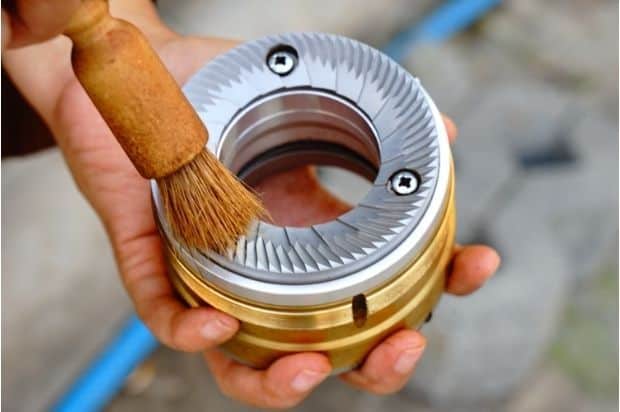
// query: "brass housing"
[[345, 331]]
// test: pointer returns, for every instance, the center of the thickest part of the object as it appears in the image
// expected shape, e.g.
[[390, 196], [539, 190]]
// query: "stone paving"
[[534, 91]]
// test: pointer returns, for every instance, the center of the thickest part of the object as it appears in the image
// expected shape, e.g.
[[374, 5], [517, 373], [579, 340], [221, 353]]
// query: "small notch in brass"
[[360, 310]]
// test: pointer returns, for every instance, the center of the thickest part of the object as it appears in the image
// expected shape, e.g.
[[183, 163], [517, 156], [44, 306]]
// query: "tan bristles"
[[206, 205]]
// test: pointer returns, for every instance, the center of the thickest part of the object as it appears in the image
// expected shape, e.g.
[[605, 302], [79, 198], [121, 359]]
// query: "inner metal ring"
[[344, 104]]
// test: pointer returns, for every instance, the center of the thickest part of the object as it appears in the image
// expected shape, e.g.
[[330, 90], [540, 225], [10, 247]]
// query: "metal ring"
[[356, 107]]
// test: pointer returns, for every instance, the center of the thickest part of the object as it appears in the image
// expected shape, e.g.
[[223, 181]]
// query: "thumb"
[[30, 21]]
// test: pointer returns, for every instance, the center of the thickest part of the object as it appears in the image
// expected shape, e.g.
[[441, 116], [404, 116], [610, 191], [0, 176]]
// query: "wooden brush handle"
[[137, 97]]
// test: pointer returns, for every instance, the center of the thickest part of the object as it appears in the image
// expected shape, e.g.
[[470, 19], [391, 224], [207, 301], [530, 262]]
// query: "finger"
[[172, 323], [38, 20], [471, 267], [389, 365], [283, 385], [451, 129]]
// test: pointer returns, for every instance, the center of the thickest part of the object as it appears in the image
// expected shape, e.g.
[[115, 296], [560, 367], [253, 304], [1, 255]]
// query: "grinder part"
[[340, 286]]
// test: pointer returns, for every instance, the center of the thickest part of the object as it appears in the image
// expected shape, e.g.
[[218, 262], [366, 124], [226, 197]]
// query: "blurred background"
[[533, 87]]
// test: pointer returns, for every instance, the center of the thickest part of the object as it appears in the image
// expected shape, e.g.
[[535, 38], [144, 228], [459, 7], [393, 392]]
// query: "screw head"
[[404, 182], [282, 62]]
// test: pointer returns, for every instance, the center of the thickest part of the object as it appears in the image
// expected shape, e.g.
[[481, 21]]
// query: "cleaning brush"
[[206, 205]]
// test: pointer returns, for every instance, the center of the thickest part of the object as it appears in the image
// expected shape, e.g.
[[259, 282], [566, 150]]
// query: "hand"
[[296, 198], [122, 200]]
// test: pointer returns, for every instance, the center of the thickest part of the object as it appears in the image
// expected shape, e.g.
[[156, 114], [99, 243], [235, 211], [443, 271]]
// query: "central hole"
[[311, 156]]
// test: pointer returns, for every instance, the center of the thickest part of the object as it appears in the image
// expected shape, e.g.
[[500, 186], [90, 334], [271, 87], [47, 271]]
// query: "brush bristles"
[[206, 205]]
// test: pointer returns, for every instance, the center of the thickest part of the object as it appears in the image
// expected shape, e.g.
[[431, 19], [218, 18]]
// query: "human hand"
[[296, 198], [122, 200]]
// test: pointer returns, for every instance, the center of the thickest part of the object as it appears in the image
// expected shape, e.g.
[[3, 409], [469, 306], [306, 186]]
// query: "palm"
[[102, 170]]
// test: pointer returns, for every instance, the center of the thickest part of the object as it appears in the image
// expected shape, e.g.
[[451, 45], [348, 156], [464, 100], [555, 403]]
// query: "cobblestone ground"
[[533, 88]]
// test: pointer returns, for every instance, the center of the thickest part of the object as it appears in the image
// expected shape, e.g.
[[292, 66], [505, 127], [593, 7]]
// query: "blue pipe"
[[444, 22], [106, 374], [102, 379]]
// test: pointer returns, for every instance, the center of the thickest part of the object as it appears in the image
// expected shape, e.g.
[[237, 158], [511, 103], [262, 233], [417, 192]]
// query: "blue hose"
[[444, 22], [106, 374], [102, 379]]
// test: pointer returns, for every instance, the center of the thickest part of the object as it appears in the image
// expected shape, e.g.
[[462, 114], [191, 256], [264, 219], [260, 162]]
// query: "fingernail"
[[496, 261], [407, 360], [306, 380], [214, 329]]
